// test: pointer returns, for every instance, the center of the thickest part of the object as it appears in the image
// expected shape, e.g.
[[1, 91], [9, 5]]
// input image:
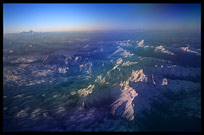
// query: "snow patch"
[[10, 51], [164, 81], [76, 58], [62, 70]]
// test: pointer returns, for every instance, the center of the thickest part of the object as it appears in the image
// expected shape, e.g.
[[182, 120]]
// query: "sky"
[[86, 17]]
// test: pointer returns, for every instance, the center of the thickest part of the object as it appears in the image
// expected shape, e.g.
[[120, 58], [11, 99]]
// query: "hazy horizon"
[[91, 17]]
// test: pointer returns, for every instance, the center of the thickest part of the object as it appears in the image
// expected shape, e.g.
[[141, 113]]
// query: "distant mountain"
[[29, 33], [22, 34]]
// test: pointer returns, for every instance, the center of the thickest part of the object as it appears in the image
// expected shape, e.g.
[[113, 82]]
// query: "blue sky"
[[80, 17]]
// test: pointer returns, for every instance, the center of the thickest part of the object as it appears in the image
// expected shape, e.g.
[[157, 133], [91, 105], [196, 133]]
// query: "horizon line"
[[139, 30]]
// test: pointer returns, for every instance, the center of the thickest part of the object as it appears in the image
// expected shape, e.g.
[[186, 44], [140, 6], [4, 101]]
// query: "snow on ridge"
[[22, 113], [62, 70], [86, 67], [153, 81], [119, 61], [128, 95], [118, 50], [10, 51], [24, 60], [128, 63], [11, 77], [163, 50], [138, 76], [171, 66], [100, 79], [124, 43], [84, 92], [187, 49], [123, 52], [141, 43], [85, 46], [36, 113], [76, 58], [126, 54], [42, 72]]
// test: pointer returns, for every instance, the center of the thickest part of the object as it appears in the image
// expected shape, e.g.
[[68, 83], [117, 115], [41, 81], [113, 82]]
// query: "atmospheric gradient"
[[101, 67]]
